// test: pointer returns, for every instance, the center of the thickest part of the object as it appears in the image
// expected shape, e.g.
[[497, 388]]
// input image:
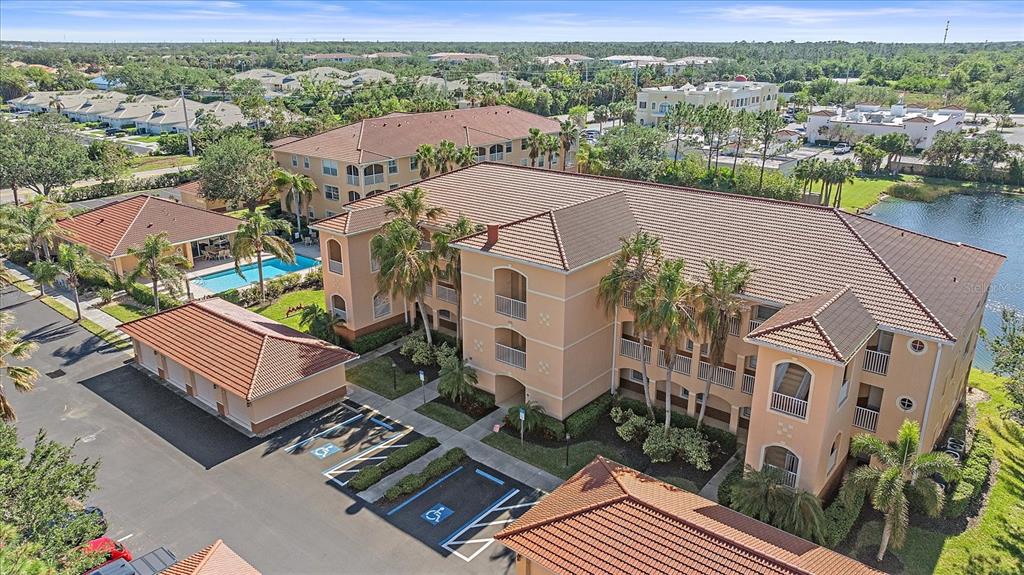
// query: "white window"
[[295, 161], [496, 152], [353, 196], [332, 192], [414, 163], [352, 175], [444, 314], [392, 186], [373, 174], [330, 167], [381, 305], [508, 147], [392, 166], [905, 404], [305, 162], [636, 375], [916, 346]]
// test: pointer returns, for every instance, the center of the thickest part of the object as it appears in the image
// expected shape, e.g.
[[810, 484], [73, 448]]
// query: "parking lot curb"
[[376, 491]]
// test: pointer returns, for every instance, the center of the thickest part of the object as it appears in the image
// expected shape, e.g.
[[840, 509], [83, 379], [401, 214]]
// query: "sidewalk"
[[710, 490]]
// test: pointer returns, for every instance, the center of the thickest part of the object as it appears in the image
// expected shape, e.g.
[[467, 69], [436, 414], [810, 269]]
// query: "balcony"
[[681, 364], [734, 326], [748, 384], [510, 355], [876, 361], [428, 290], [631, 349], [336, 266], [445, 293], [788, 477], [722, 376], [512, 308], [754, 324], [789, 405], [865, 418]]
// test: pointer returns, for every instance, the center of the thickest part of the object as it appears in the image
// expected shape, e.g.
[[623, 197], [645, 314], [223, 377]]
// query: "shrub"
[[106, 295], [634, 426], [536, 422], [372, 341], [396, 460], [366, 477], [21, 257], [314, 278], [725, 487], [106, 189], [663, 445], [725, 441], [434, 469], [584, 419], [418, 350], [660, 445], [144, 296], [842, 514], [973, 476]]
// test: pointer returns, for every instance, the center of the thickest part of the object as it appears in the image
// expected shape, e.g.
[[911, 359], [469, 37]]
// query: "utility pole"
[[946, 33], [188, 127]]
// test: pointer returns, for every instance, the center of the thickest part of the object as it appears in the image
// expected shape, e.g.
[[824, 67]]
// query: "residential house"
[[847, 325], [619, 60], [44, 101], [675, 66], [460, 57], [653, 103], [104, 83], [190, 194], [562, 59], [272, 82], [921, 125], [387, 55], [342, 58]]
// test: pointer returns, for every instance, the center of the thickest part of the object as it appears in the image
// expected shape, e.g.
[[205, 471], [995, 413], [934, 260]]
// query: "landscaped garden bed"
[[455, 415], [369, 476]]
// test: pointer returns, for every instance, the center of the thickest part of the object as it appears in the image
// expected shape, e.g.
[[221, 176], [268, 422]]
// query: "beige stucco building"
[[653, 103], [379, 154], [921, 125], [849, 326]]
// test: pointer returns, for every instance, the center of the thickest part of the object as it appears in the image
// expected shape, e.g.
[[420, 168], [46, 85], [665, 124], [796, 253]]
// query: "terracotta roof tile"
[[115, 227], [215, 559], [247, 354], [609, 518], [833, 325]]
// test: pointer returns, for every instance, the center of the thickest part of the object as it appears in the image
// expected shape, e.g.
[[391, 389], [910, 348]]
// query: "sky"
[[700, 21]]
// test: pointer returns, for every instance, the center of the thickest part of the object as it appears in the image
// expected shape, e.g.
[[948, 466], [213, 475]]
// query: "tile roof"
[[832, 325], [214, 559], [904, 280], [247, 354], [609, 518], [398, 135], [113, 228]]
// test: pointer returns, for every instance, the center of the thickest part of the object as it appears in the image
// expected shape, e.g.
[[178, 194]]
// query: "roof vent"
[[492, 233]]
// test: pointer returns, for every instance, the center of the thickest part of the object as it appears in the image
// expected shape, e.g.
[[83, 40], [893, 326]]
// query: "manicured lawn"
[[144, 163], [551, 458], [241, 213], [125, 312], [440, 411], [278, 309], [378, 376], [864, 192], [918, 555]]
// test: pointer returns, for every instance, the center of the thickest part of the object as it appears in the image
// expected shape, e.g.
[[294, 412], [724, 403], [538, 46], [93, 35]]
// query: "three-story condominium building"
[[379, 154], [653, 103], [850, 325]]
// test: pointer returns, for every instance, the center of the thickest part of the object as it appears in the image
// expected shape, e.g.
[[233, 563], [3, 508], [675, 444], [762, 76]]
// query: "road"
[[7, 196], [172, 475]]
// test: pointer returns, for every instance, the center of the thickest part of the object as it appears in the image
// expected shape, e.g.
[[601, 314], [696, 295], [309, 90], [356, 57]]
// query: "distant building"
[[339, 57], [653, 103], [919, 124], [387, 55], [293, 81], [619, 60], [105, 83], [688, 62], [566, 59], [272, 82], [460, 57]]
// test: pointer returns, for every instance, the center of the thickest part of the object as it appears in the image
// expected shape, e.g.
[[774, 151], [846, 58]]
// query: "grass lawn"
[[446, 414], [552, 459], [278, 309], [241, 213], [864, 192], [148, 138], [125, 312], [377, 376], [144, 163]]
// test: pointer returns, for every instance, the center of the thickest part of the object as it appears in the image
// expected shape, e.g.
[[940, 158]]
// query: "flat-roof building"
[[921, 125], [653, 103]]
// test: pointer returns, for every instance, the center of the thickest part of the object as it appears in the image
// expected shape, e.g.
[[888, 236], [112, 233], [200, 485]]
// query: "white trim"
[[928, 402], [899, 404], [551, 345], [910, 348], [810, 390]]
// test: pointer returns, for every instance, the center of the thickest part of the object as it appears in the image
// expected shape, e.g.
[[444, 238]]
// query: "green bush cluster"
[[21, 257], [726, 441], [725, 487], [420, 352], [275, 288], [973, 476], [585, 418], [372, 341], [842, 514], [144, 295], [396, 460], [107, 189], [538, 424], [436, 468]]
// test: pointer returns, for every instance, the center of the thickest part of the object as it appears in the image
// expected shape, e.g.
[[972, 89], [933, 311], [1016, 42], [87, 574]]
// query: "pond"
[[987, 220]]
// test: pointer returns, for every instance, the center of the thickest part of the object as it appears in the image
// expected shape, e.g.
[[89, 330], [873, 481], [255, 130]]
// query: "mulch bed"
[[407, 366], [474, 410]]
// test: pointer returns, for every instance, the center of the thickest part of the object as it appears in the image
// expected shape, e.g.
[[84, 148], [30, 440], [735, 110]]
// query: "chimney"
[[492, 233]]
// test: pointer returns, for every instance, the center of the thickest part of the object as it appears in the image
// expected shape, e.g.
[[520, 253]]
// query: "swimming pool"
[[273, 267]]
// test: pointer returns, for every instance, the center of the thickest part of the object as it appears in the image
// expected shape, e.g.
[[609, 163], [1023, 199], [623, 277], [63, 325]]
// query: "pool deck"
[[203, 268]]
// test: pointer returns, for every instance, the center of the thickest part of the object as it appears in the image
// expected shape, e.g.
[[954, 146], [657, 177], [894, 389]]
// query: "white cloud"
[[803, 15]]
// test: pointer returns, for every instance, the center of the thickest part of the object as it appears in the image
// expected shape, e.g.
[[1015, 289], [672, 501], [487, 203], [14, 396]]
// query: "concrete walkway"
[[710, 490]]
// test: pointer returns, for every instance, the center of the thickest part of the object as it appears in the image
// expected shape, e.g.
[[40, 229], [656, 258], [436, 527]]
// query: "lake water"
[[991, 221]]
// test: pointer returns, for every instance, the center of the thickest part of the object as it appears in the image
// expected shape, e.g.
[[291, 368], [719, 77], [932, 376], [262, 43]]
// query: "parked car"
[[110, 549], [115, 132], [841, 148], [591, 132]]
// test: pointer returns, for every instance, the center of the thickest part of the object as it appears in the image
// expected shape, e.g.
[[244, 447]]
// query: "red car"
[[111, 550]]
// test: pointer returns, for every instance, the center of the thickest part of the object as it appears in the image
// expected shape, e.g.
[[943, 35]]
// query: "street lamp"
[[567, 450], [423, 386], [394, 377]]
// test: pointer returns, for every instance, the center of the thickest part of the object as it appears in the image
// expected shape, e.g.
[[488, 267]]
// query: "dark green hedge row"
[[396, 460], [973, 476], [144, 295], [416, 481], [842, 514], [725, 488], [372, 341], [588, 416], [726, 441]]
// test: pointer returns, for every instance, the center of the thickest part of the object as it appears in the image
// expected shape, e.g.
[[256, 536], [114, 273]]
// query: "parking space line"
[[330, 473], [472, 522], [325, 432], [428, 488], [489, 476], [516, 506], [382, 424], [497, 506]]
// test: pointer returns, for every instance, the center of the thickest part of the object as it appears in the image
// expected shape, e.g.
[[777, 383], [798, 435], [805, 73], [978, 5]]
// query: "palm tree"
[[588, 159], [601, 116], [551, 147], [448, 260], [458, 381], [74, 262], [157, 260], [663, 307], [256, 235], [569, 134], [13, 346], [902, 470], [300, 189], [411, 206], [37, 221], [844, 172], [465, 157], [535, 142], [638, 260], [426, 159], [320, 323], [717, 306], [45, 273], [764, 496], [405, 269], [444, 155]]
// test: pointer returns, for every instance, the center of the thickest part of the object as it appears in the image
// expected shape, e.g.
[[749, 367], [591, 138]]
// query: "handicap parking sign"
[[436, 514], [325, 450]]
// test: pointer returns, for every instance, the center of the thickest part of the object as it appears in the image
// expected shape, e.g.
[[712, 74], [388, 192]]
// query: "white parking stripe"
[[516, 506], [322, 433], [333, 472], [487, 541]]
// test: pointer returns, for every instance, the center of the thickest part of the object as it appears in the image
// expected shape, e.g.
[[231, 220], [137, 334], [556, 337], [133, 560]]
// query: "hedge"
[[725, 487], [275, 287], [372, 341], [842, 514], [396, 460], [144, 295], [548, 427], [973, 476], [107, 189], [726, 441], [588, 416], [416, 481]]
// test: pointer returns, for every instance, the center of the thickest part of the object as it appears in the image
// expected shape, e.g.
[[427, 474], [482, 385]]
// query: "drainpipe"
[[615, 334], [928, 403]]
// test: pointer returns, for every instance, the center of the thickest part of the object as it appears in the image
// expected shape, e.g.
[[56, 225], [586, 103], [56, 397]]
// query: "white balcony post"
[[510, 355], [510, 307], [876, 361], [789, 405]]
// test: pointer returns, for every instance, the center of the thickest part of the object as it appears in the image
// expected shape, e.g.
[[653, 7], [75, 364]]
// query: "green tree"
[[52, 156], [45, 273], [902, 469], [535, 144], [465, 157], [405, 269], [38, 223], [426, 160], [1008, 358], [633, 151], [13, 345], [457, 381], [110, 160], [764, 496], [298, 189], [714, 122], [320, 323], [75, 262], [681, 118], [448, 259], [551, 146], [411, 205], [569, 134], [766, 124], [589, 159], [13, 168], [869, 156], [257, 235], [158, 260], [444, 156], [237, 169]]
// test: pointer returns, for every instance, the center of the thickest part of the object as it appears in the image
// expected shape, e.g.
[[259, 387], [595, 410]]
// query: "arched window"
[[497, 152], [381, 305], [791, 387], [352, 175], [353, 196], [833, 453], [338, 307], [334, 261], [373, 174], [783, 460]]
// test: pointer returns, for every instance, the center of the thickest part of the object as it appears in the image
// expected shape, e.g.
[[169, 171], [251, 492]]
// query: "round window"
[[906, 404], [917, 347]]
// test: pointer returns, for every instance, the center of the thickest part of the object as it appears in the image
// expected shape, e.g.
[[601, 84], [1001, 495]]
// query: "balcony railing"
[[341, 314], [865, 418], [336, 266], [876, 361], [627, 299], [748, 384], [788, 477], [429, 289], [510, 355], [754, 324], [722, 376], [681, 364], [445, 293], [789, 405], [734, 326], [630, 348], [511, 307]]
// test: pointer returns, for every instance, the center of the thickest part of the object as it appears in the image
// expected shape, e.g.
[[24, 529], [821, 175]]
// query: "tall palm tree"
[[663, 307], [299, 188], [405, 269], [256, 235], [763, 495], [717, 305], [589, 159], [13, 346], [37, 221], [638, 260], [551, 147], [411, 205], [426, 159], [444, 155], [448, 260], [844, 172], [45, 273], [535, 143], [157, 260], [902, 470], [569, 134], [74, 262], [465, 157]]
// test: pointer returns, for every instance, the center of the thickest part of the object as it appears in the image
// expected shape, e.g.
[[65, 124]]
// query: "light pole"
[[394, 377], [423, 381], [567, 450]]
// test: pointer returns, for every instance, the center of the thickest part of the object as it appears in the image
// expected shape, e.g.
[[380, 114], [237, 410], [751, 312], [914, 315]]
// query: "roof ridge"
[[803, 318], [838, 294], [117, 246], [828, 340], [923, 235], [558, 239], [207, 554], [194, 302], [895, 276], [256, 369]]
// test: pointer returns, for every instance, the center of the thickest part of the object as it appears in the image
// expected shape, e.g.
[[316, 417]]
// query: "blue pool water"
[[273, 267]]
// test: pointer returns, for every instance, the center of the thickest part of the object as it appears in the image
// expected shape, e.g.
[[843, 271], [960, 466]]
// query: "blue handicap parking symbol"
[[436, 514], [326, 450]]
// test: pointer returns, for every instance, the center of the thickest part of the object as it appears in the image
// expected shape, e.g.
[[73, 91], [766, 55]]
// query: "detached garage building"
[[252, 370]]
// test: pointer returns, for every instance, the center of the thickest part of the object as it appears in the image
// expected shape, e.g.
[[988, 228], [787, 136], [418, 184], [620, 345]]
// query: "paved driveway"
[[172, 475]]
